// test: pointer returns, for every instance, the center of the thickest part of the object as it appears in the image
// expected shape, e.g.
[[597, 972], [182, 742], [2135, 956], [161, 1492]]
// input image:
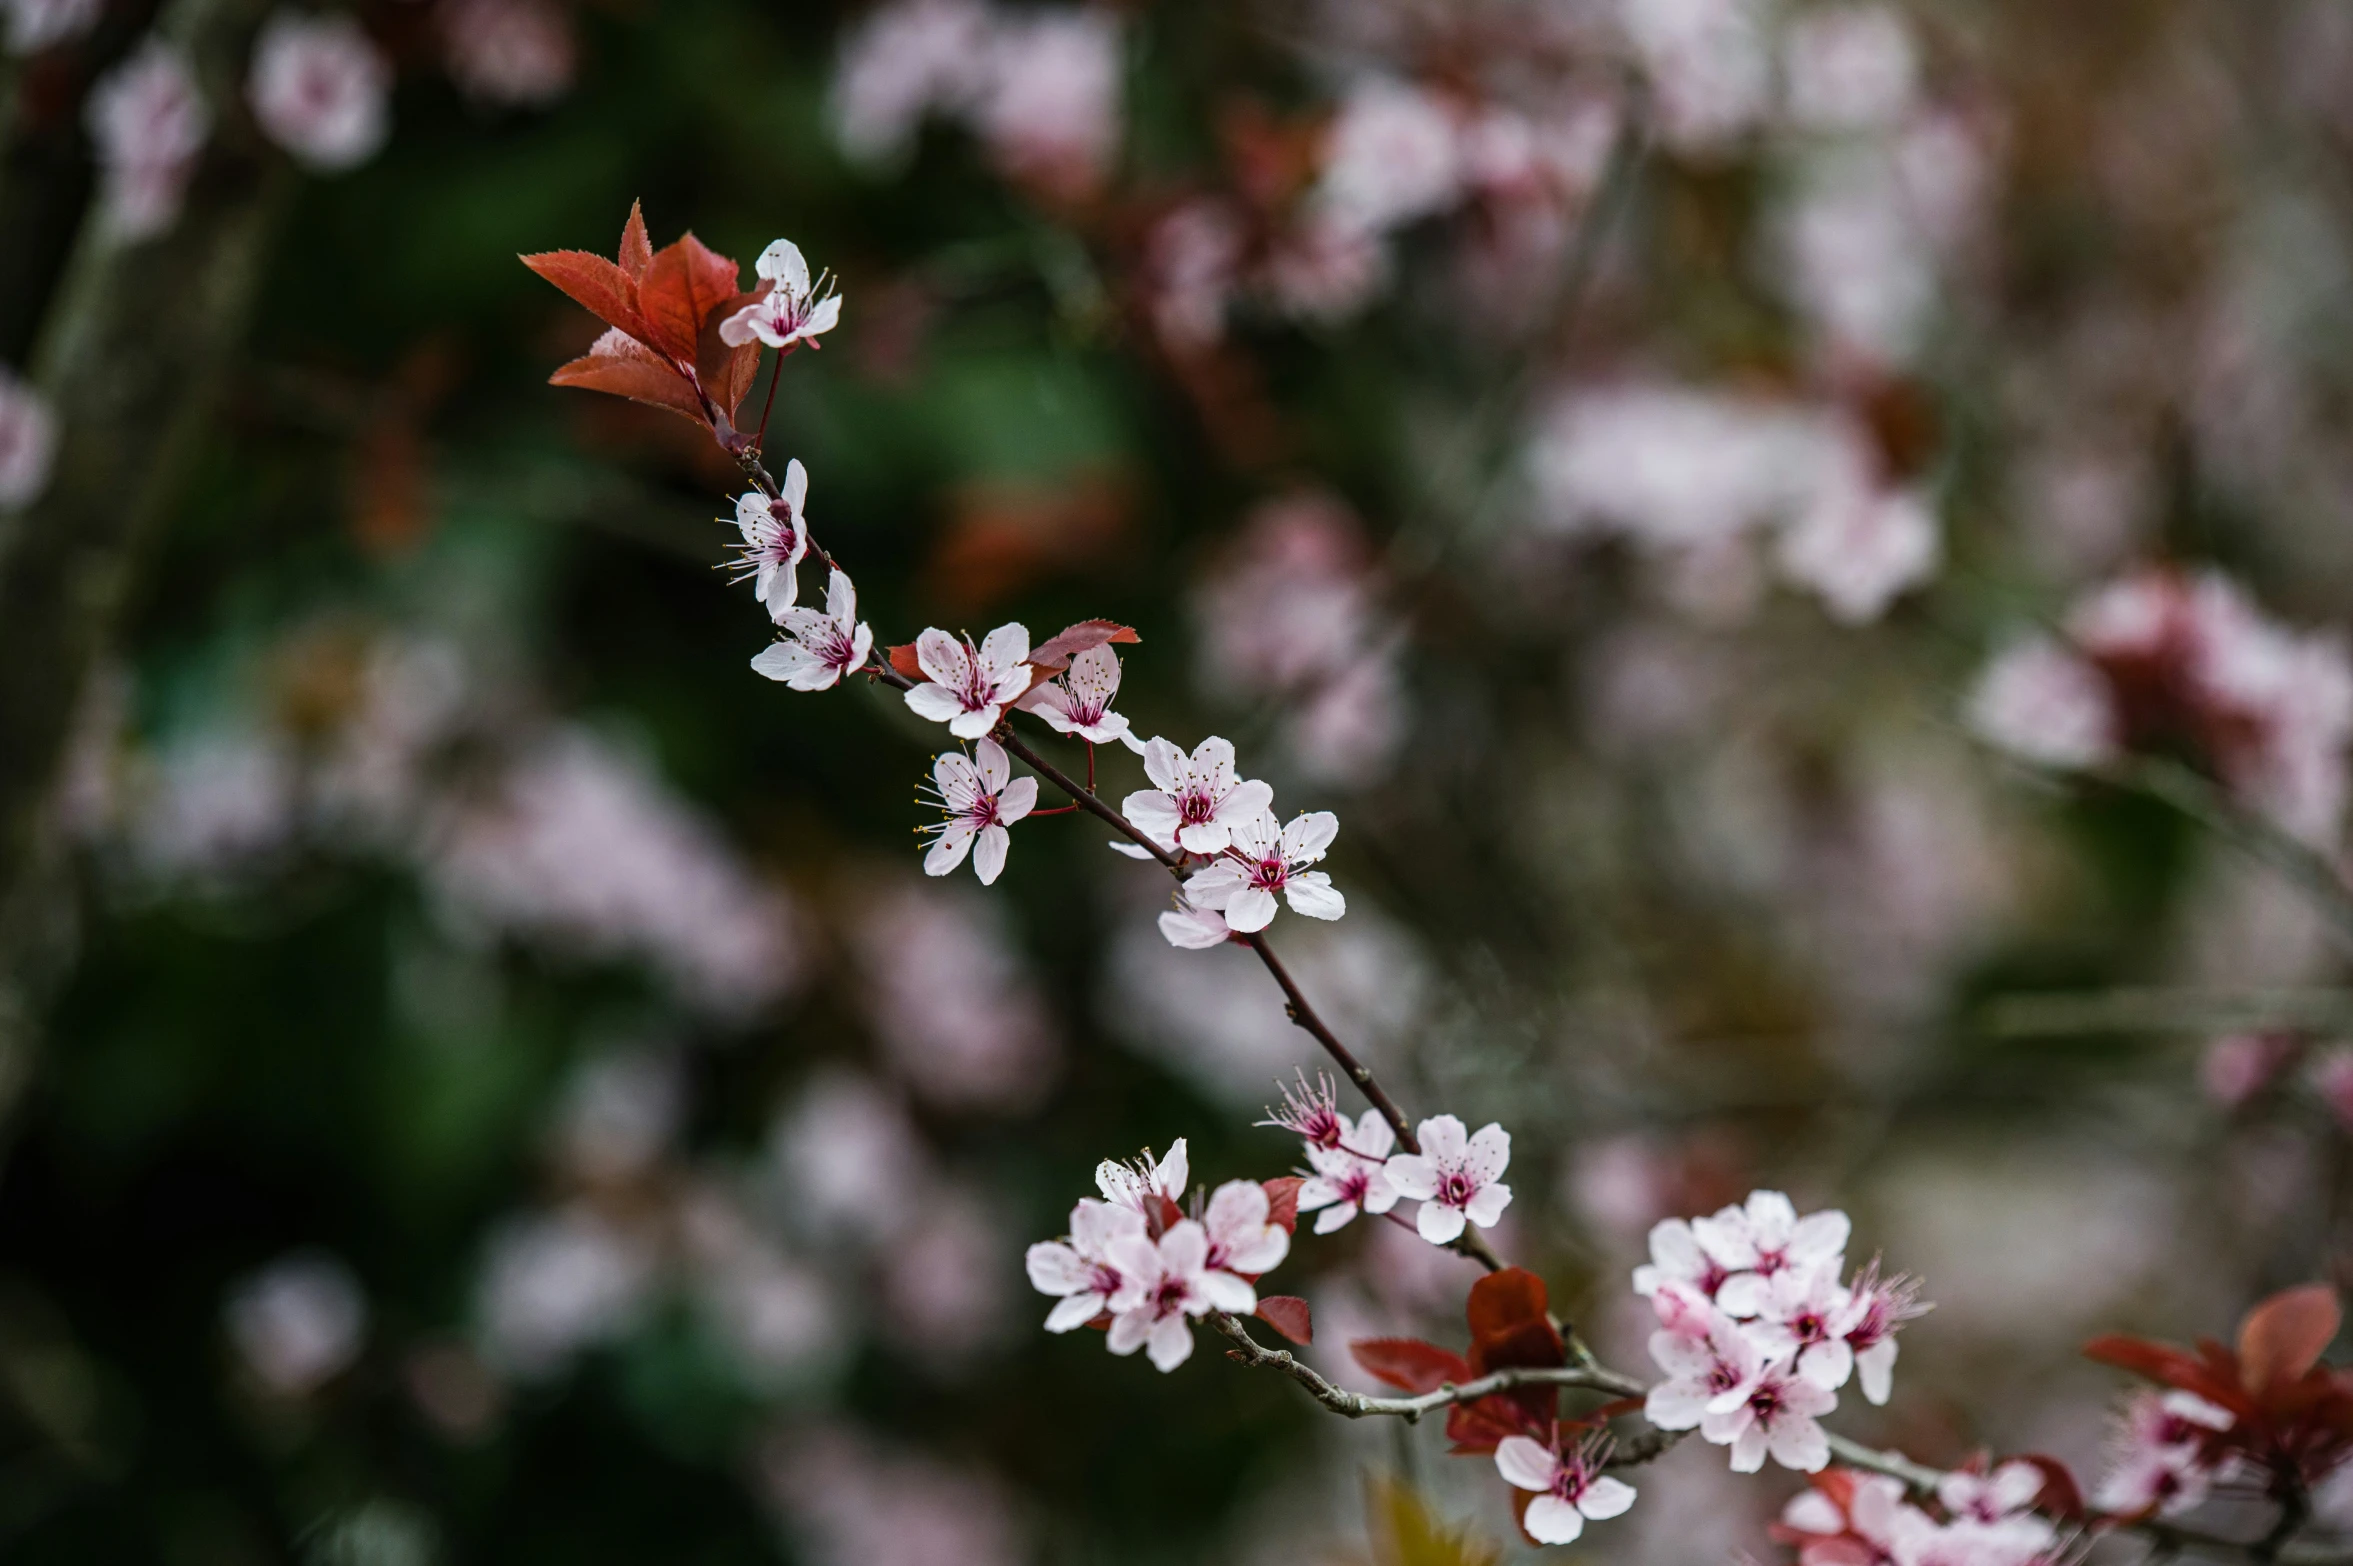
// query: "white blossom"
[[1263, 859], [775, 537], [982, 798], [1079, 1270], [1079, 700], [147, 121], [1166, 1286], [792, 310], [1197, 800], [1570, 1488], [1456, 1177], [819, 647], [968, 688]]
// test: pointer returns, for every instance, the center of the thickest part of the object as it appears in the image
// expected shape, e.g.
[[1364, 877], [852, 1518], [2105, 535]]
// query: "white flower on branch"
[[775, 537], [1879, 1308], [1197, 800], [1803, 1316], [1079, 1270], [819, 646], [147, 123], [1079, 701], [1192, 929], [966, 687], [982, 798], [1350, 1176], [1569, 1487], [1677, 1257], [792, 311], [1456, 1177], [1760, 1238], [1167, 1285], [2158, 1457], [1146, 1181], [1264, 859], [1242, 1237], [320, 89]]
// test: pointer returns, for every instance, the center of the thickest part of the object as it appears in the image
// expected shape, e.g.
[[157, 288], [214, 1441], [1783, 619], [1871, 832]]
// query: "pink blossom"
[[819, 648], [1880, 1307], [901, 62], [854, 1502], [1164, 1287], [1569, 1487], [519, 52], [1191, 258], [2238, 1066], [321, 90], [1849, 67], [1455, 1177], [1264, 859], [942, 1285], [35, 25], [1393, 156], [1048, 107], [951, 1000], [2157, 1458], [1311, 1112], [1775, 1412], [1079, 1270], [1193, 929], [1241, 1238], [1860, 1534], [1146, 1181], [1350, 1179], [1803, 1318], [2044, 704], [1079, 700], [28, 442], [1990, 1498], [969, 688], [791, 310], [1197, 800], [1677, 1257], [1860, 546], [982, 798], [147, 121], [1920, 1540], [1710, 1363], [298, 1323], [775, 537], [1762, 1237]]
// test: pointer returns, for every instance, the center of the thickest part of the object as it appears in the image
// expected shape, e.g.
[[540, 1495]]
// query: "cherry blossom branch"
[[1357, 1405]]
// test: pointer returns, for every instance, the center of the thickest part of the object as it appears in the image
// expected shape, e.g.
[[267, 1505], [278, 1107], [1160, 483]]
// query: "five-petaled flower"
[[968, 688], [1762, 1237], [1079, 1270], [1196, 801], [1676, 1256], [1569, 1487], [1242, 1236], [1264, 859], [982, 798], [1350, 1177], [775, 537], [1165, 1286], [1803, 1317], [819, 646], [791, 311], [1079, 700], [1147, 1181], [1776, 1413], [1455, 1177], [1193, 929]]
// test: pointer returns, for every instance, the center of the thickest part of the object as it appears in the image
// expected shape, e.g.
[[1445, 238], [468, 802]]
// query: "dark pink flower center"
[[1270, 874], [1195, 807], [1455, 1188]]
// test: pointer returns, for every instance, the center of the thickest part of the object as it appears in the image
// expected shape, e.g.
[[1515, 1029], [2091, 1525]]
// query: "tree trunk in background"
[[130, 350]]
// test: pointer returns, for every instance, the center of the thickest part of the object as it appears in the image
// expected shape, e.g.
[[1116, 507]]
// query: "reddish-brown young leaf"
[[1288, 1315], [1057, 650], [641, 379], [684, 284], [2283, 1337], [903, 659], [637, 251], [1478, 1428], [1509, 1324], [728, 373], [1282, 1201], [1409, 1364], [2061, 1496], [593, 283], [2168, 1366]]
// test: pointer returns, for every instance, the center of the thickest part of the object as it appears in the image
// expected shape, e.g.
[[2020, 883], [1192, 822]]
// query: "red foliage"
[[1409, 1364], [2293, 1414], [1289, 1316], [1510, 1329], [668, 304], [1282, 1201]]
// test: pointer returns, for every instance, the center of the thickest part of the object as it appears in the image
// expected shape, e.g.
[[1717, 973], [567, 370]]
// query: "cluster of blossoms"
[[1456, 1176], [1860, 1519], [1757, 1333], [2162, 663], [1137, 1263]]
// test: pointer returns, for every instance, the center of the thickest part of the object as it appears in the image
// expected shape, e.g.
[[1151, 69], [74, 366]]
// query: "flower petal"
[[988, 854]]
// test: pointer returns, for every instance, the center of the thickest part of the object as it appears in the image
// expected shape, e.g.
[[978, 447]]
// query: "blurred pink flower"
[[943, 1280], [148, 122], [853, 1502], [2238, 1066], [298, 1323], [553, 1284], [951, 1001], [1848, 67], [515, 52], [901, 62], [321, 89], [1392, 155], [2044, 704], [31, 26], [850, 1159], [28, 442], [1048, 108], [2332, 1079]]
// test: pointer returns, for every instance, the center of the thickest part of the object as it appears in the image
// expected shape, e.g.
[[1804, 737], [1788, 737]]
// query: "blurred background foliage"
[[513, 1097]]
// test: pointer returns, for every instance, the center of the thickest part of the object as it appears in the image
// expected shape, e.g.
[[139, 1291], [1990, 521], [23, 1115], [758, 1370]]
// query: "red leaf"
[[2061, 1496], [2282, 1338], [593, 283], [645, 379], [903, 660], [1480, 1427], [1509, 1324], [684, 285], [2167, 1365], [1289, 1316], [1409, 1364], [1068, 644], [728, 373], [637, 252], [1282, 1201]]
